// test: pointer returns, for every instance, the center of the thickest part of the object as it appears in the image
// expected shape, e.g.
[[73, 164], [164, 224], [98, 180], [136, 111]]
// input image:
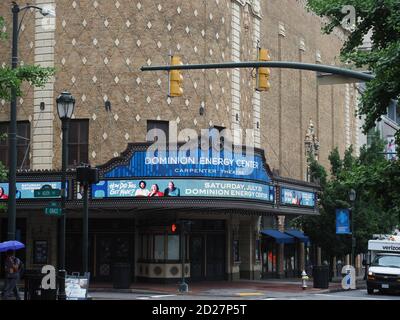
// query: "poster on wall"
[[297, 197], [183, 188], [40, 252], [25, 190]]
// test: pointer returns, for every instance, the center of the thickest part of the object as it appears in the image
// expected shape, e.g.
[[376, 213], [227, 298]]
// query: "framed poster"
[[40, 252]]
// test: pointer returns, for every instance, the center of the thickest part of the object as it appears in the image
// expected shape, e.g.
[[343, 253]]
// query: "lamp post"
[[65, 109], [352, 198], [12, 131]]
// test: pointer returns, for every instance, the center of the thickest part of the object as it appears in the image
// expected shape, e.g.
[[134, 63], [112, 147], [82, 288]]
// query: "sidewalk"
[[221, 288], [225, 288]]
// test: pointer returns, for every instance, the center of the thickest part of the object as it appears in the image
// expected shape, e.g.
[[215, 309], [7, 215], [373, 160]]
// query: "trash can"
[[321, 277], [33, 289], [121, 275]]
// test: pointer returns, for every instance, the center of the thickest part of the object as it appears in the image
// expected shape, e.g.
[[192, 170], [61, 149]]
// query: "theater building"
[[223, 196], [240, 221]]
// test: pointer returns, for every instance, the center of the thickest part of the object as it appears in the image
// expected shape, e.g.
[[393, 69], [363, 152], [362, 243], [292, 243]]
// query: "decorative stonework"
[[42, 125], [235, 91], [254, 6]]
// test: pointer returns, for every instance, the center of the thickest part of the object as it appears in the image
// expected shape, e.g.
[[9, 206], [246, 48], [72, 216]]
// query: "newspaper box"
[[76, 286]]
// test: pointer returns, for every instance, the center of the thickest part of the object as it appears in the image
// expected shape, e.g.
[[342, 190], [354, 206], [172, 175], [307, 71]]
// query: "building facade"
[[98, 47]]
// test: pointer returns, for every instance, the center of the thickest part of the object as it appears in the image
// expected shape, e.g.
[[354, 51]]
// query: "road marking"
[[156, 296], [163, 296], [270, 299], [347, 297], [247, 294]]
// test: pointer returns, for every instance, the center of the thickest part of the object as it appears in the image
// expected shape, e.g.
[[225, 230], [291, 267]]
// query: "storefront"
[[221, 195]]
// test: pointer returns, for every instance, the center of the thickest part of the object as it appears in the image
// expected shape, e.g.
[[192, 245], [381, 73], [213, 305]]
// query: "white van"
[[384, 264]]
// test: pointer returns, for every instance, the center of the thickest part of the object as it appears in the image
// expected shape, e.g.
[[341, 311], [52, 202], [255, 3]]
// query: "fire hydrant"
[[304, 278]]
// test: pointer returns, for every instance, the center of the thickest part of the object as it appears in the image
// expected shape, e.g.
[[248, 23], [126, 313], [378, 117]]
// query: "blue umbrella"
[[11, 245]]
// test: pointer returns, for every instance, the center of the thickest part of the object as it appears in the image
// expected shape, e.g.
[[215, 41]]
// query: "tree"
[[377, 206], [382, 19], [13, 78]]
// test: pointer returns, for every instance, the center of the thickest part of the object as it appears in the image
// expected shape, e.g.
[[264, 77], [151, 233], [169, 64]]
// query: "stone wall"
[[100, 46]]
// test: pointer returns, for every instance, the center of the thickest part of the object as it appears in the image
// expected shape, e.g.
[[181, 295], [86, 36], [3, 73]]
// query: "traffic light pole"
[[183, 287], [270, 64]]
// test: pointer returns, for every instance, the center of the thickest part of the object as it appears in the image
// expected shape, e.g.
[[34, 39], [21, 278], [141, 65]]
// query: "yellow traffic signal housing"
[[263, 73], [175, 79]]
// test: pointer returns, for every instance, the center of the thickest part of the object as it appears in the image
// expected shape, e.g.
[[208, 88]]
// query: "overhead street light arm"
[[269, 64]]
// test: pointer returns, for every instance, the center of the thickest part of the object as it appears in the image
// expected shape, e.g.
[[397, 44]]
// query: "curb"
[[137, 291]]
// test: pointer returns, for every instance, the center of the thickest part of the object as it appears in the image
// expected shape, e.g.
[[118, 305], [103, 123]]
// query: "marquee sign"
[[26, 190], [200, 164], [297, 197], [183, 188]]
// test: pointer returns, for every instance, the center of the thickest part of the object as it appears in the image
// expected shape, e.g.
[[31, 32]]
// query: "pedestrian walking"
[[13, 269]]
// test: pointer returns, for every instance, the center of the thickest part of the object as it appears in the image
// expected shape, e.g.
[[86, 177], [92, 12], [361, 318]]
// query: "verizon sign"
[[379, 245]]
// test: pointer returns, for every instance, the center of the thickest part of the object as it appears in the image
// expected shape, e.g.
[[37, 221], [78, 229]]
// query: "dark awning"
[[279, 237], [298, 234]]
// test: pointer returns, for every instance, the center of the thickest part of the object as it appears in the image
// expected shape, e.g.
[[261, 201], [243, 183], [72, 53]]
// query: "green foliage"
[[336, 163], [382, 18], [13, 79], [377, 206]]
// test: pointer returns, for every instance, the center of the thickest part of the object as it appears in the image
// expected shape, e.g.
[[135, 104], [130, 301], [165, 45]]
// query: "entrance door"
[[207, 257], [103, 257], [110, 249], [215, 253], [196, 250]]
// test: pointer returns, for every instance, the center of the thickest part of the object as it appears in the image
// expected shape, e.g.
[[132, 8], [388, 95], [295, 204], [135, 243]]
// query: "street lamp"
[[352, 198], [12, 131], [65, 109]]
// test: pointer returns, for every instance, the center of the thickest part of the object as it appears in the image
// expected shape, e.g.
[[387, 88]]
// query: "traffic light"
[[174, 228], [175, 79], [263, 72]]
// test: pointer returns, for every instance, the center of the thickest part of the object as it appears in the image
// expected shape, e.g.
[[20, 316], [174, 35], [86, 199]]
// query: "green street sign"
[[47, 192], [53, 211]]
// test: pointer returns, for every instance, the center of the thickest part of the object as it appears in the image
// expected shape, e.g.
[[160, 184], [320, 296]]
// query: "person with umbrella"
[[13, 268]]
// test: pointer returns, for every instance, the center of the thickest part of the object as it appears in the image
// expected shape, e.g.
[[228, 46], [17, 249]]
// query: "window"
[[161, 125], [23, 144], [159, 247], [78, 136], [392, 111], [173, 247]]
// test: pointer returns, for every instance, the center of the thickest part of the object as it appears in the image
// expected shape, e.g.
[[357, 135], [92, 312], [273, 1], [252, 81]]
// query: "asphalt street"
[[360, 294]]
